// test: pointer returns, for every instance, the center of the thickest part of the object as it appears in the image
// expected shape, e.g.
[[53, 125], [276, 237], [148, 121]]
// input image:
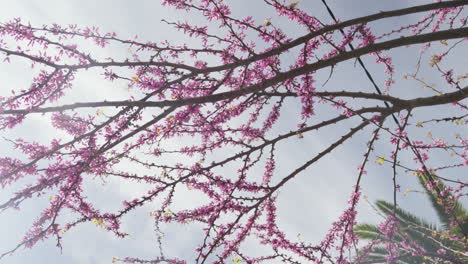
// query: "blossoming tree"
[[227, 90]]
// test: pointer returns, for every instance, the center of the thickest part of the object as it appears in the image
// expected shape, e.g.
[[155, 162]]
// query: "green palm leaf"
[[401, 215], [415, 229], [458, 210]]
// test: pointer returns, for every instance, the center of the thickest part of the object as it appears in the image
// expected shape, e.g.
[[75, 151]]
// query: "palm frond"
[[367, 231], [417, 230], [404, 217], [378, 254], [458, 210]]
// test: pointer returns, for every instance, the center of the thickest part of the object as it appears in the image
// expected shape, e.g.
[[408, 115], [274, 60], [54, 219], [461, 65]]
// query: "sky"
[[306, 205]]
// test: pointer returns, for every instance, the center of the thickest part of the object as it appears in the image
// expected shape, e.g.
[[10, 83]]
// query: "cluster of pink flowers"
[[228, 93]]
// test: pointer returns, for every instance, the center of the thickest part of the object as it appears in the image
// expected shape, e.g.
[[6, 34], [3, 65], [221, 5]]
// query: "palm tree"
[[444, 244]]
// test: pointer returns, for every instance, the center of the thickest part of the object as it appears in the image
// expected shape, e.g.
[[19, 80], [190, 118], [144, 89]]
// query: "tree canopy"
[[213, 130]]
